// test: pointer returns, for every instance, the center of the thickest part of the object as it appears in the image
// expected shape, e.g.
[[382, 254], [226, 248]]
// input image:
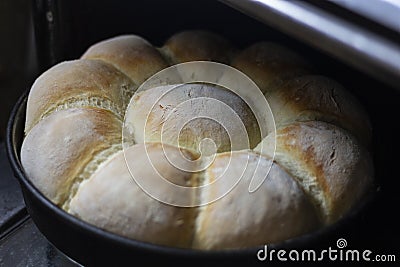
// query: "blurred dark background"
[[18, 64]]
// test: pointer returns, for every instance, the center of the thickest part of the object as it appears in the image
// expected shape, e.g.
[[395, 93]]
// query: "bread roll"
[[269, 64], [329, 163], [131, 54], [75, 84], [278, 210], [177, 166], [313, 97], [184, 115], [137, 214], [197, 45], [57, 153]]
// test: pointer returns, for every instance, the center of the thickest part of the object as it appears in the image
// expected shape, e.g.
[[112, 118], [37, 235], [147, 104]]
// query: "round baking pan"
[[90, 245]]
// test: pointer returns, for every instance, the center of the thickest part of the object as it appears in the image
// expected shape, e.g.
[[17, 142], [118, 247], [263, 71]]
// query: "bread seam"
[[87, 171], [89, 102], [309, 185], [166, 55], [200, 179], [126, 91], [114, 66]]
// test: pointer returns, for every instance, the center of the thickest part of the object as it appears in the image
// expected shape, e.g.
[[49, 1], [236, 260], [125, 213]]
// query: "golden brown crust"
[[165, 114], [130, 54], [329, 163], [137, 214], [57, 149], [313, 97], [197, 45], [78, 83], [269, 64], [242, 219]]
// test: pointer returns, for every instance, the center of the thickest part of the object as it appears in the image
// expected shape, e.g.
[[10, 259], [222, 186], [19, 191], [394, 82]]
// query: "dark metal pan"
[[90, 245]]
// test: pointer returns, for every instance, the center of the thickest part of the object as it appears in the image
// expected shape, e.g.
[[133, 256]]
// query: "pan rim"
[[298, 241]]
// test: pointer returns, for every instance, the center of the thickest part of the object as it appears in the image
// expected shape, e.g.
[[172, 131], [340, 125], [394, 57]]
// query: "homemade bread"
[[183, 178]]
